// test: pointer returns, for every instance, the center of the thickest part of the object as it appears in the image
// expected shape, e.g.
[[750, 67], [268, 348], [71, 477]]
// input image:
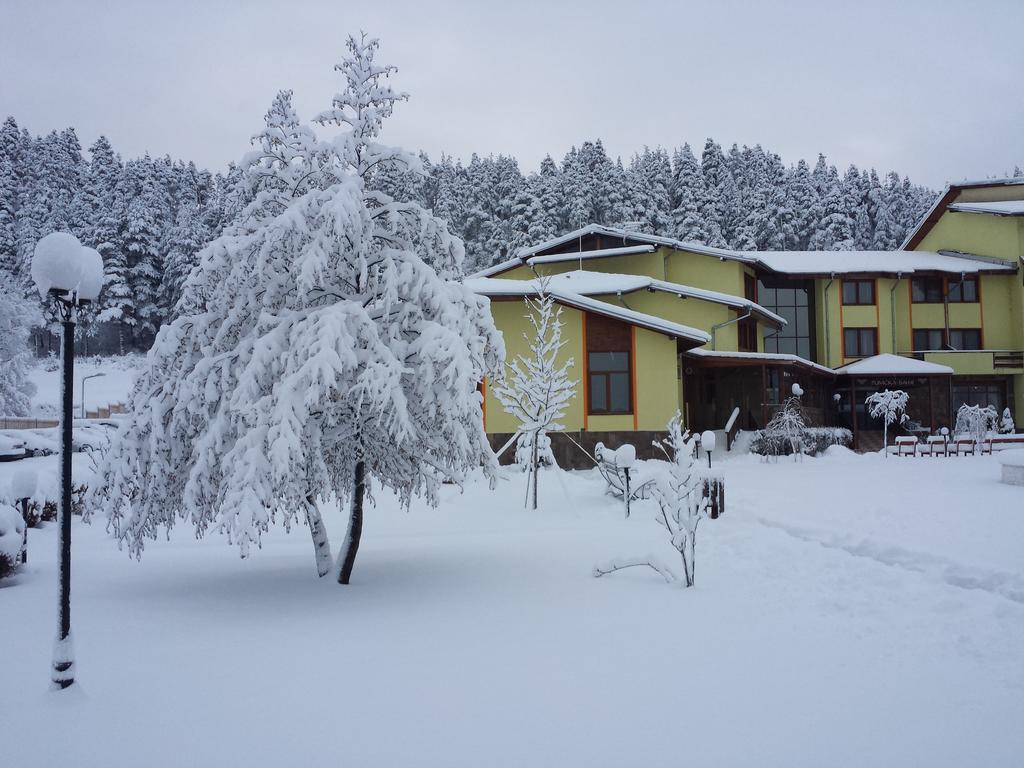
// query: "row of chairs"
[[942, 445]]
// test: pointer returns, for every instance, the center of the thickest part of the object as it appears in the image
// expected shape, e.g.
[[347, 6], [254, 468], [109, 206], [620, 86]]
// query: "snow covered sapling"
[[785, 432], [682, 504], [314, 352], [890, 406], [1006, 425], [536, 389]]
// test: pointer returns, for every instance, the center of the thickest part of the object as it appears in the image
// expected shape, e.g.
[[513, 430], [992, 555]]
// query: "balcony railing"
[[977, 360]]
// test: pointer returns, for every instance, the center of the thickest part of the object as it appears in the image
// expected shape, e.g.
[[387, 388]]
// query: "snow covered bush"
[[681, 503], [1006, 425], [18, 316], [12, 539], [890, 406], [314, 350], [536, 389], [975, 421]]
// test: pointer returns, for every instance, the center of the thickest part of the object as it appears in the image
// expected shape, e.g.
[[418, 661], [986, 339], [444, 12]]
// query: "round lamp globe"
[[57, 263]]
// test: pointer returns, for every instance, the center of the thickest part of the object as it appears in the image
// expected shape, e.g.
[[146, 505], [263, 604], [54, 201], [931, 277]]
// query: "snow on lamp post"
[[625, 457], [23, 486], [72, 276], [707, 442]]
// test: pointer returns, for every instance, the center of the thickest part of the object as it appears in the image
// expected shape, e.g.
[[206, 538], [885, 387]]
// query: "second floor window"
[[965, 338], [858, 292], [926, 290], [963, 291], [860, 342], [928, 339]]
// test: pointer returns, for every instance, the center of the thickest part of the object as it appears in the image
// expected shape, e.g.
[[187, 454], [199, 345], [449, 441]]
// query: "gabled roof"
[[628, 236], [892, 365], [945, 199], [588, 283]]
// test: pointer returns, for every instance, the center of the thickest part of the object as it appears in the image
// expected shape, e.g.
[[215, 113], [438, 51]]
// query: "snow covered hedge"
[[813, 440]]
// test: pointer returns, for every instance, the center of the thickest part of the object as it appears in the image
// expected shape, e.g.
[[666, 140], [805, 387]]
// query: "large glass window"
[[860, 342], [979, 392], [792, 300], [857, 292]]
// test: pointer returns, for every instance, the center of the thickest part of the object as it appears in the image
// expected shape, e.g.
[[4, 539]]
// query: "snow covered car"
[[11, 449]]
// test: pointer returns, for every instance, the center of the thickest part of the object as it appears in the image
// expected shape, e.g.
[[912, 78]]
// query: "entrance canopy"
[[893, 365]]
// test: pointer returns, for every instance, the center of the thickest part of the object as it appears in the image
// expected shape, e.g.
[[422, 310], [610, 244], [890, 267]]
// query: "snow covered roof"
[[573, 289], [952, 191], [887, 262], [783, 262], [601, 253], [625, 235], [494, 269], [770, 357], [893, 365], [996, 208], [588, 283]]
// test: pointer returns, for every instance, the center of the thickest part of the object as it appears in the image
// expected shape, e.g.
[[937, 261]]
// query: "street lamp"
[[72, 276], [85, 379]]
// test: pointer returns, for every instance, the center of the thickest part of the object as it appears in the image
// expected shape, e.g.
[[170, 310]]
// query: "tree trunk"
[[533, 463], [349, 548], [321, 546]]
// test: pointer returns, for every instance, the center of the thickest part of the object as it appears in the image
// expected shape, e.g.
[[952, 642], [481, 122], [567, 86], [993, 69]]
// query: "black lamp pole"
[[63, 650]]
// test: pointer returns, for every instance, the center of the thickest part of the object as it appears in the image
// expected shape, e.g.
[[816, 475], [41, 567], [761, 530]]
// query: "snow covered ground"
[[849, 611], [113, 387]]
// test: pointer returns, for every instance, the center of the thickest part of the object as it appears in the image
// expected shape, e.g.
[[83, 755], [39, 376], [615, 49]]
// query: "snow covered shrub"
[[1006, 425], [975, 421], [890, 406], [321, 344], [679, 491], [817, 440], [17, 317], [536, 390], [12, 539]]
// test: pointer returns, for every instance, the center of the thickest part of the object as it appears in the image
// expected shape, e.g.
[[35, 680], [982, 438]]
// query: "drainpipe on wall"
[[892, 310], [828, 335], [714, 328]]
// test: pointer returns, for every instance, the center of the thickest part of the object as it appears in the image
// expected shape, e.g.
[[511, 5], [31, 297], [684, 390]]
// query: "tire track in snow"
[[1000, 583]]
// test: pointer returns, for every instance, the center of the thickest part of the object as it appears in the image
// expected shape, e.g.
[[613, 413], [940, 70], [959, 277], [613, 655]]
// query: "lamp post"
[[72, 276], [85, 379]]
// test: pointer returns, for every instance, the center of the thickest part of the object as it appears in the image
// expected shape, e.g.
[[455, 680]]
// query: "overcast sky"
[[931, 89]]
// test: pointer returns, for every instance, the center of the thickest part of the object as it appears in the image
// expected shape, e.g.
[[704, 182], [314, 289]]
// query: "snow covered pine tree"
[[314, 351], [537, 389], [17, 317]]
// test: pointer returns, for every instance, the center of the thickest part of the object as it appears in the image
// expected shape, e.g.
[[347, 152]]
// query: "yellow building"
[[655, 325]]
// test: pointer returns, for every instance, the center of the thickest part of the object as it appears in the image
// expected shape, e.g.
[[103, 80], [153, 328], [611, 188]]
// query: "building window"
[[980, 392], [858, 292], [926, 290], [928, 339], [792, 300], [965, 338], [860, 342], [609, 360], [964, 291], [747, 329]]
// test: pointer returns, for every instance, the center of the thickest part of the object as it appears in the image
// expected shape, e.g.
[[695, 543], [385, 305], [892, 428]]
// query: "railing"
[[731, 428], [1008, 359], [994, 359]]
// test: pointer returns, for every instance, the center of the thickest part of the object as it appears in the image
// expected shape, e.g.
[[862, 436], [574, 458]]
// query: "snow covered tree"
[[536, 389], [975, 421], [785, 432], [315, 352], [1006, 425], [17, 316], [679, 491], [890, 406]]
